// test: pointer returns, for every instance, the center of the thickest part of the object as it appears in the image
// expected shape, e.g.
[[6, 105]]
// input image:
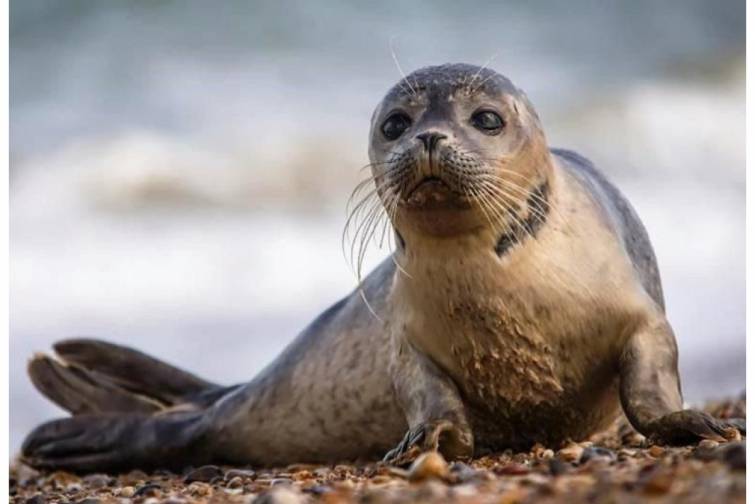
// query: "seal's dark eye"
[[488, 122], [395, 125]]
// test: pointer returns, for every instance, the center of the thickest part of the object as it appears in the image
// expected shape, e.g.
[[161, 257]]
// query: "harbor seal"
[[522, 305]]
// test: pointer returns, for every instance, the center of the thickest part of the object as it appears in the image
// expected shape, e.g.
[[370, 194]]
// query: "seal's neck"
[[503, 226]]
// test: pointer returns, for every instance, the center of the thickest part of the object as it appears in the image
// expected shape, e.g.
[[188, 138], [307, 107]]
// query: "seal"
[[522, 305]]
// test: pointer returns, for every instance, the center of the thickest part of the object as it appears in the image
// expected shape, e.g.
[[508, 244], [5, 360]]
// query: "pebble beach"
[[618, 465]]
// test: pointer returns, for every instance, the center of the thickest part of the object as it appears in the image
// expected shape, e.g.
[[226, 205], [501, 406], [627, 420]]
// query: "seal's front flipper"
[[689, 426], [651, 392], [88, 443], [434, 410]]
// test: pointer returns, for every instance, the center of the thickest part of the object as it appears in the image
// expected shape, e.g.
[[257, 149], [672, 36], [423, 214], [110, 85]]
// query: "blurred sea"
[[179, 170]]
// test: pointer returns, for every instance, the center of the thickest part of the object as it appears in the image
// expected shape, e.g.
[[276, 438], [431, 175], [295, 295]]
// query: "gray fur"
[[628, 224]]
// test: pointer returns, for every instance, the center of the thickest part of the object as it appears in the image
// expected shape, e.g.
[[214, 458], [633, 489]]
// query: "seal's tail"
[[129, 410], [92, 376]]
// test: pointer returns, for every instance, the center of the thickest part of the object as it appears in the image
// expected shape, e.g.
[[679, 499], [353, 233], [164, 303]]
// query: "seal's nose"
[[430, 138]]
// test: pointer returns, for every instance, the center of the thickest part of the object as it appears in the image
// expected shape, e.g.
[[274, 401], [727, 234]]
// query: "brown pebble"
[[37, 499], [200, 489], [127, 491], [148, 490], [294, 468], [656, 451], [732, 434], [64, 480], [571, 453], [428, 465], [512, 469], [135, 477], [707, 444]]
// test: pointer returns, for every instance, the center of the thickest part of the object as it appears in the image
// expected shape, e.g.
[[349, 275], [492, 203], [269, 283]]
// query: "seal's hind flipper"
[[107, 442], [80, 391], [133, 370]]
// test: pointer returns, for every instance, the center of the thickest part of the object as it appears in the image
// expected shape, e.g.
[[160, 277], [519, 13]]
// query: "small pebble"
[[135, 477], [512, 469], [597, 452], [97, 480], [204, 474], [200, 489], [571, 453], [235, 482], [547, 454], [240, 473], [127, 491], [657, 451], [148, 490], [428, 465], [732, 434]]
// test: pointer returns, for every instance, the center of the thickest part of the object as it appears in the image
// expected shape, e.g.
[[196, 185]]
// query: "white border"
[[750, 218], [4, 142]]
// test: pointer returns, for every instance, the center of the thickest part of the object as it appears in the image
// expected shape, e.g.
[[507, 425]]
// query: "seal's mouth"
[[433, 192], [429, 184]]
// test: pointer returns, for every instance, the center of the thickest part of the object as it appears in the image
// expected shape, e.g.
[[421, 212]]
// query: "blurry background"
[[179, 170]]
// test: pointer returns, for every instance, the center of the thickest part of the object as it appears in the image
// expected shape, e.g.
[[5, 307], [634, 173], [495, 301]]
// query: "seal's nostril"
[[430, 139]]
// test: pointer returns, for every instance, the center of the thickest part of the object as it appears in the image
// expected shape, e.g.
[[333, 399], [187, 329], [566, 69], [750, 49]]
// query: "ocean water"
[[179, 171]]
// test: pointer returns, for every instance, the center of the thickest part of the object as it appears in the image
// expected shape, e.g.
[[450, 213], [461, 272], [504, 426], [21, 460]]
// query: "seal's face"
[[452, 149]]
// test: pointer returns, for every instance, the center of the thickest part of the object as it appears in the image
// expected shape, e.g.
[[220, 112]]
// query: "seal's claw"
[[690, 426], [451, 440]]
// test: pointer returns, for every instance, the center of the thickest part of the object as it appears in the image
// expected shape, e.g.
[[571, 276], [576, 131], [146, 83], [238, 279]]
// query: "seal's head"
[[456, 148]]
